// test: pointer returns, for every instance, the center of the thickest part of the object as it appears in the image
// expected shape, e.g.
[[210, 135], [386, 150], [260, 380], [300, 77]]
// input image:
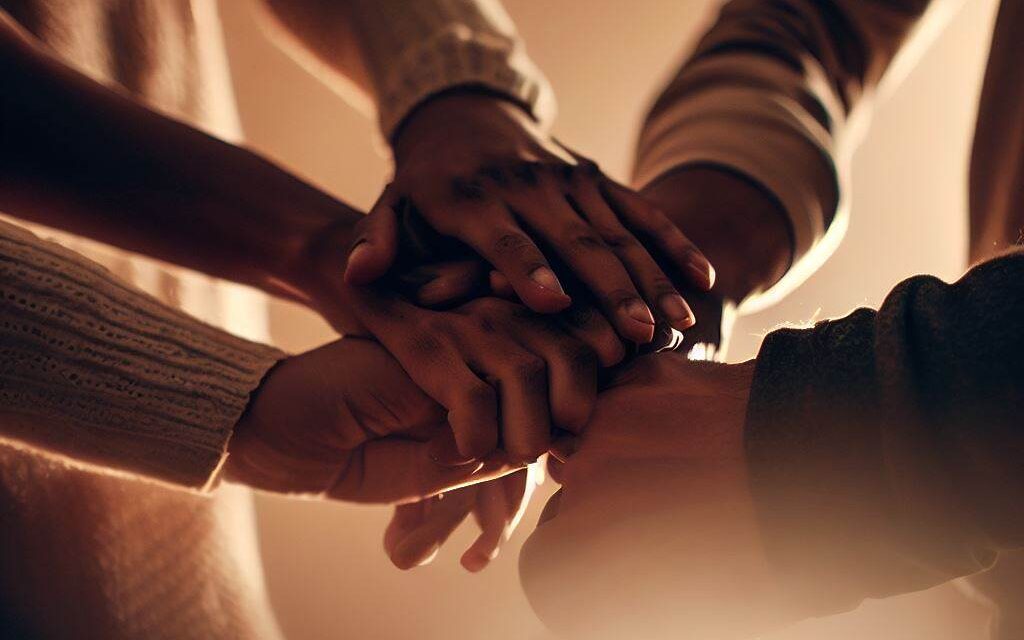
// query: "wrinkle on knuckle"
[[465, 189]]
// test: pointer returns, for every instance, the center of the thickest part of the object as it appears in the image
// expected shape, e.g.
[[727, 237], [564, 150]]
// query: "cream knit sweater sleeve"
[[415, 49], [95, 370]]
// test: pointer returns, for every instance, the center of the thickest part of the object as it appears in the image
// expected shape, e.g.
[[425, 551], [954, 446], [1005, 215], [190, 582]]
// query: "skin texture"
[[344, 422], [683, 557], [479, 170]]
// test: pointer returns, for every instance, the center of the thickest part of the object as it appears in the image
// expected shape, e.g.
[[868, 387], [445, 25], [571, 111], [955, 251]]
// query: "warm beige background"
[[327, 575]]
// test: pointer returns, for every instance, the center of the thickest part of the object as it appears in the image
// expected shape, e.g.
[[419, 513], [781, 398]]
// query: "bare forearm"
[[742, 230], [81, 157]]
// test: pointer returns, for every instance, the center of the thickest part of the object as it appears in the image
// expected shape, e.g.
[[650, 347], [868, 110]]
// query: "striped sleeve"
[[99, 372], [776, 91]]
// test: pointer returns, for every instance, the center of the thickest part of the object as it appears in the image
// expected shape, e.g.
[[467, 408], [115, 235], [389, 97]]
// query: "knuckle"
[[660, 285], [620, 239], [526, 173], [584, 241], [530, 370], [478, 397], [465, 189], [620, 295], [581, 358], [512, 243], [424, 345]]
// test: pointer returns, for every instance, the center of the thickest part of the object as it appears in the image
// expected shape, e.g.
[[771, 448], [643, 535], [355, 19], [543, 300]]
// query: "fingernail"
[[546, 278], [678, 311], [701, 269], [358, 250], [637, 310]]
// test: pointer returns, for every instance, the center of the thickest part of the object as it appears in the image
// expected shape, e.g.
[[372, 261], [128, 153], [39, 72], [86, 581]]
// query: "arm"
[[100, 373], [401, 54], [905, 421], [772, 95], [868, 456], [467, 113], [94, 370], [82, 157]]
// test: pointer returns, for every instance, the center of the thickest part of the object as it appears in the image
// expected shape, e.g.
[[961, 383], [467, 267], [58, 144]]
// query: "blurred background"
[[327, 574]]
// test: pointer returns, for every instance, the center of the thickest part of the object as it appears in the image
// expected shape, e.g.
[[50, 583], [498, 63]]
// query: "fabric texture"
[[416, 49], [93, 369], [795, 80], [885, 448]]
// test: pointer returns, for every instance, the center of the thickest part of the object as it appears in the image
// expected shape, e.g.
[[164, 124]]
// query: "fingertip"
[[475, 561], [364, 264]]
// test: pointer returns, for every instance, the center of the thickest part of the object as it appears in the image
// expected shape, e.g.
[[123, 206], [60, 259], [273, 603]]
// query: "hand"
[[654, 530], [478, 169], [345, 422], [489, 361], [418, 530], [743, 231]]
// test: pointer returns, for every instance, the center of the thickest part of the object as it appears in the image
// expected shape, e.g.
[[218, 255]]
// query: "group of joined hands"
[[490, 292]]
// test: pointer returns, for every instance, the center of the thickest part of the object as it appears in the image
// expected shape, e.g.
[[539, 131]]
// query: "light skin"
[[682, 557]]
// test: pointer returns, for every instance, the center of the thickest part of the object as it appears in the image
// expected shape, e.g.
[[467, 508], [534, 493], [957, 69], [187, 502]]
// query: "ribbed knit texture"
[[885, 448], [99, 371], [416, 49]]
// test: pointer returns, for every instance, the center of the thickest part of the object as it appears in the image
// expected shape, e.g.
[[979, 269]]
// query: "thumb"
[[375, 244]]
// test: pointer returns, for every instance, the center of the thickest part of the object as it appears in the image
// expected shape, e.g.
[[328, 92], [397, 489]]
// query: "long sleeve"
[[415, 49], [94, 370], [886, 449], [773, 91]]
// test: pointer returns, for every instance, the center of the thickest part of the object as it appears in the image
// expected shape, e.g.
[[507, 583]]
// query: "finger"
[[418, 544], [591, 261], [376, 241], [587, 324], [522, 382], [656, 287], [416, 338], [644, 217], [497, 504], [404, 519], [393, 470], [572, 371], [492, 232], [446, 284], [501, 287]]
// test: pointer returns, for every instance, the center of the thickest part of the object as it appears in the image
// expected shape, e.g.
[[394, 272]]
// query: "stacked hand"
[[477, 181]]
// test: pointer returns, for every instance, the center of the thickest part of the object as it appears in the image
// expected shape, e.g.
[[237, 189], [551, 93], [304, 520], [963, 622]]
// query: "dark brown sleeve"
[[887, 448]]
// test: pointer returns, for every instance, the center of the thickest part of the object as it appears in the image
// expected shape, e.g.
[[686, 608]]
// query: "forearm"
[[740, 227], [84, 158], [401, 53], [771, 93], [94, 370], [885, 447]]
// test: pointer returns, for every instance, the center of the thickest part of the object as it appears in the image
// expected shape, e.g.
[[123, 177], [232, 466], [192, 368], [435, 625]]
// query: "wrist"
[[453, 107], [740, 227]]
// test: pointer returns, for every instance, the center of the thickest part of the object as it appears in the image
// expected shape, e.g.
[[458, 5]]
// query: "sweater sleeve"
[[771, 92], [886, 449], [415, 49], [99, 372]]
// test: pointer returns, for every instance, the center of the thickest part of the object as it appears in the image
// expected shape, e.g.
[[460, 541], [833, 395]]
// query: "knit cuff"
[[457, 57], [93, 369]]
